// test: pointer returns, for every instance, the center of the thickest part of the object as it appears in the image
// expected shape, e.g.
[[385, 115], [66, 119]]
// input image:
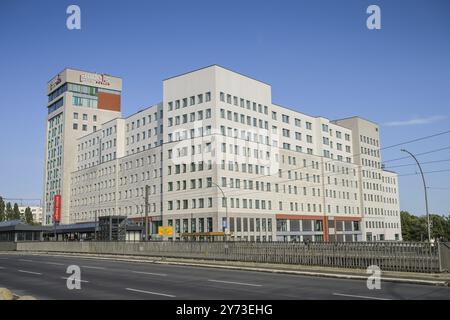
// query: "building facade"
[[79, 102], [218, 155], [379, 188], [36, 211]]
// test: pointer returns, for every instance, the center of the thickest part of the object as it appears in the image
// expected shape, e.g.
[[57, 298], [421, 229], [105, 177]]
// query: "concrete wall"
[[8, 246]]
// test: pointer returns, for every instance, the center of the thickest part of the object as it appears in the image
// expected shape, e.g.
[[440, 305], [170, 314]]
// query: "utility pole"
[[425, 191], [226, 209], [97, 215], [95, 225], [147, 191]]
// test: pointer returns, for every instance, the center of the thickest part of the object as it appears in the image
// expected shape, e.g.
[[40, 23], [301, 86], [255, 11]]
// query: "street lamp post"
[[425, 191], [95, 226], [226, 208], [147, 191]]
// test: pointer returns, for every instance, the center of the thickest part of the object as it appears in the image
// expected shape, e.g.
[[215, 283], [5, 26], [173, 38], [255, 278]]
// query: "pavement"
[[45, 277], [442, 279]]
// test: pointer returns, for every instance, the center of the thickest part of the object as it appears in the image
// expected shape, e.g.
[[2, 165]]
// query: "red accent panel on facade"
[[334, 228], [298, 217], [326, 232], [108, 101], [348, 218], [57, 208], [306, 217]]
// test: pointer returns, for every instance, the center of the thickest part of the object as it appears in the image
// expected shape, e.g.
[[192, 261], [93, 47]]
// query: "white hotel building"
[[217, 153]]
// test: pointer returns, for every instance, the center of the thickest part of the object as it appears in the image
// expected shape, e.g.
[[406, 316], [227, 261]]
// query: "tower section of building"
[[78, 103], [379, 198]]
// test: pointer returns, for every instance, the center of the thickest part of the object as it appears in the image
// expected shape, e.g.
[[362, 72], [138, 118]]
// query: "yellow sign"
[[165, 231]]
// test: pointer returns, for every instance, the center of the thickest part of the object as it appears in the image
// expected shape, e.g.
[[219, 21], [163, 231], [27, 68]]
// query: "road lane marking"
[[30, 272], [90, 267], [149, 292], [240, 283], [76, 280], [150, 273], [362, 297], [2, 267], [55, 263], [44, 262]]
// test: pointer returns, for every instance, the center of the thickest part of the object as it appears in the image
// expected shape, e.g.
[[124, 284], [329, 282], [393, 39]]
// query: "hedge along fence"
[[392, 256]]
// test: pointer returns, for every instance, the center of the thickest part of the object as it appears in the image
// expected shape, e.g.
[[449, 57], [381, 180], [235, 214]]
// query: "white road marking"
[[65, 278], [149, 292], [55, 263], [44, 262], [30, 272], [150, 273], [240, 283], [90, 267], [2, 267], [362, 297]]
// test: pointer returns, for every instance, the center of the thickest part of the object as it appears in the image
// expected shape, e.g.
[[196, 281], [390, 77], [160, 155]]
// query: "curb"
[[161, 260]]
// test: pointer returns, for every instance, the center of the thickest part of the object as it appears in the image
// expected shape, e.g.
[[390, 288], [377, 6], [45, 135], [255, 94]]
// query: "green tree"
[[447, 228], [2, 210], [416, 228], [405, 220], [439, 227], [419, 230], [28, 216], [16, 212], [9, 211], [413, 228]]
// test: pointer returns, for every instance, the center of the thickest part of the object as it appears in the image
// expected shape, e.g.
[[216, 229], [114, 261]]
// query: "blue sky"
[[318, 56]]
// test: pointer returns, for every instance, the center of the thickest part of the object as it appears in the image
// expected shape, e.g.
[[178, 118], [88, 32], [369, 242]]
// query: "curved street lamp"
[[425, 190]]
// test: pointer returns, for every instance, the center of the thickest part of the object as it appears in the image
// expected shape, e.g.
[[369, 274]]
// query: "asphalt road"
[[45, 277]]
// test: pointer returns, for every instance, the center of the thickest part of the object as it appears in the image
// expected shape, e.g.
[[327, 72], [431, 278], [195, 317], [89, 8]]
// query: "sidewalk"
[[438, 279], [6, 294]]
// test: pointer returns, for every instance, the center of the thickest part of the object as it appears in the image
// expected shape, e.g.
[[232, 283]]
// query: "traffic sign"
[[165, 231]]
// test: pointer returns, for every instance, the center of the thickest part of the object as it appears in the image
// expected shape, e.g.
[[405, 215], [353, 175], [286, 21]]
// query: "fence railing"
[[444, 257], [389, 256]]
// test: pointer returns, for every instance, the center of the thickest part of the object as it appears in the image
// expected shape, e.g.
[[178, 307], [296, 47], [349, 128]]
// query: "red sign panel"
[[57, 208]]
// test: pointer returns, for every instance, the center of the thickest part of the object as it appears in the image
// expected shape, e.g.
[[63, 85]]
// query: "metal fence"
[[389, 256], [444, 257]]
